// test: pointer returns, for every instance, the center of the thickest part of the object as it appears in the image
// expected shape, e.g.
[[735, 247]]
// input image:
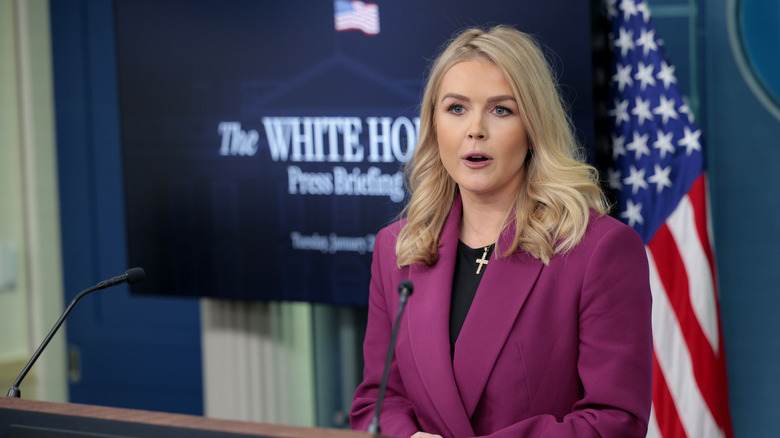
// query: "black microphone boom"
[[405, 288], [133, 275]]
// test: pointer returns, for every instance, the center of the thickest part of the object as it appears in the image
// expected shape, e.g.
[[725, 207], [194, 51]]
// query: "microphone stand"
[[405, 288], [131, 276], [14, 391]]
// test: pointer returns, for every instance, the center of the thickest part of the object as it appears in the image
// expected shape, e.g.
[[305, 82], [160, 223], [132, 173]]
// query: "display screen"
[[263, 142]]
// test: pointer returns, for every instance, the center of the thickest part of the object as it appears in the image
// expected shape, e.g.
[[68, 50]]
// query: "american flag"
[[659, 181], [356, 15]]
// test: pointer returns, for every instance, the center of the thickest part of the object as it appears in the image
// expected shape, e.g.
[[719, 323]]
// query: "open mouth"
[[476, 158]]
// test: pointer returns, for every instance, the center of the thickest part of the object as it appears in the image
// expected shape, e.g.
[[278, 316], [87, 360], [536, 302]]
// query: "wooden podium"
[[21, 418]]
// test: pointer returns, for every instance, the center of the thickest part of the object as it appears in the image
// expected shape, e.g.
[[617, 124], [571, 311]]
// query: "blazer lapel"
[[503, 290], [429, 337]]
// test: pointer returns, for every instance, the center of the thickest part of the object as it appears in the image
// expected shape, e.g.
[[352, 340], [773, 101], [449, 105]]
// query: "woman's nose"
[[477, 129]]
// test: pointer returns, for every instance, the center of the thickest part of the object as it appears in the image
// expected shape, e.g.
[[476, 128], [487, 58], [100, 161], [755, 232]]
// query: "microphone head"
[[405, 287], [134, 275]]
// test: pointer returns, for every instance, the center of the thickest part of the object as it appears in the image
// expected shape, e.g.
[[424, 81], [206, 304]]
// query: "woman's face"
[[482, 139]]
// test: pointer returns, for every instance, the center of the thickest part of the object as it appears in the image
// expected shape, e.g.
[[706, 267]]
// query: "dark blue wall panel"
[[745, 189]]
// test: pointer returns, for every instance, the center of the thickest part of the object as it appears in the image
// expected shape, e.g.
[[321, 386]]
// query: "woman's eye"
[[456, 109], [502, 111]]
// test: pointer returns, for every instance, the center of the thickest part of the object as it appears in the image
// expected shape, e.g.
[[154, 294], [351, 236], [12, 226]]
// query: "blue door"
[[124, 350]]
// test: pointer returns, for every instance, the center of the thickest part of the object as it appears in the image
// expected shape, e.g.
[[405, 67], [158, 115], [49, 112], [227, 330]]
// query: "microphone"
[[405, 288], [133, 275]]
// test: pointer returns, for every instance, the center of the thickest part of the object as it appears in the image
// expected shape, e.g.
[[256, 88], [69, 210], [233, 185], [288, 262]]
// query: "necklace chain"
[[476, 233], [481, 262]]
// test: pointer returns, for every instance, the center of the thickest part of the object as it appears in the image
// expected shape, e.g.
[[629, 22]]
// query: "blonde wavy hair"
[[552, 206]]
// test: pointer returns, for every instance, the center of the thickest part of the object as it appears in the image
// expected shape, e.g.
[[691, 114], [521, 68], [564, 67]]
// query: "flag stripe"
[[698, 196], [676, 366], [696, 266], [665, 419], [361, 23]]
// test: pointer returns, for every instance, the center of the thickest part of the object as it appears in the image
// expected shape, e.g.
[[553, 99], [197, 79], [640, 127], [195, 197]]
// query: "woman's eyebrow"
[[455, 96], [492, 99]]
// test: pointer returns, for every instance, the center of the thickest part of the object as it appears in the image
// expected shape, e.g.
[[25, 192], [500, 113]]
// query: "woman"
[[531, 311]]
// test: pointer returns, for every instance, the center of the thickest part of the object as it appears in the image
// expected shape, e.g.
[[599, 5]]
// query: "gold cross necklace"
[[482, 262]]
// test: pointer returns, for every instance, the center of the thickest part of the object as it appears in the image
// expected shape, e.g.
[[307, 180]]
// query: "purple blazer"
[[563, 350]]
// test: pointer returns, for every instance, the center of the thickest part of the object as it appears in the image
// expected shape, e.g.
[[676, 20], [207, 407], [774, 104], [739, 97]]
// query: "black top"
[[464, 287]]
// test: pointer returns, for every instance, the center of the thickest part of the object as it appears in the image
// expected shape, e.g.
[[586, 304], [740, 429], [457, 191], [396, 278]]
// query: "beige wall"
[[30, 256]]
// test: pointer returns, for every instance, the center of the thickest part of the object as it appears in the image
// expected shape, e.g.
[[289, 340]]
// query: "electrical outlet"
[[9, 267]]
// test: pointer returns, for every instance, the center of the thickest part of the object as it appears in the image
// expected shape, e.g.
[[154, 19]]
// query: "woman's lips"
[[477, 160]]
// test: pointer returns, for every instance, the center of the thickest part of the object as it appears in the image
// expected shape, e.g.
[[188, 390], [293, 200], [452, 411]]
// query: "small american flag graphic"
[[356, 15], [658, 176]]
